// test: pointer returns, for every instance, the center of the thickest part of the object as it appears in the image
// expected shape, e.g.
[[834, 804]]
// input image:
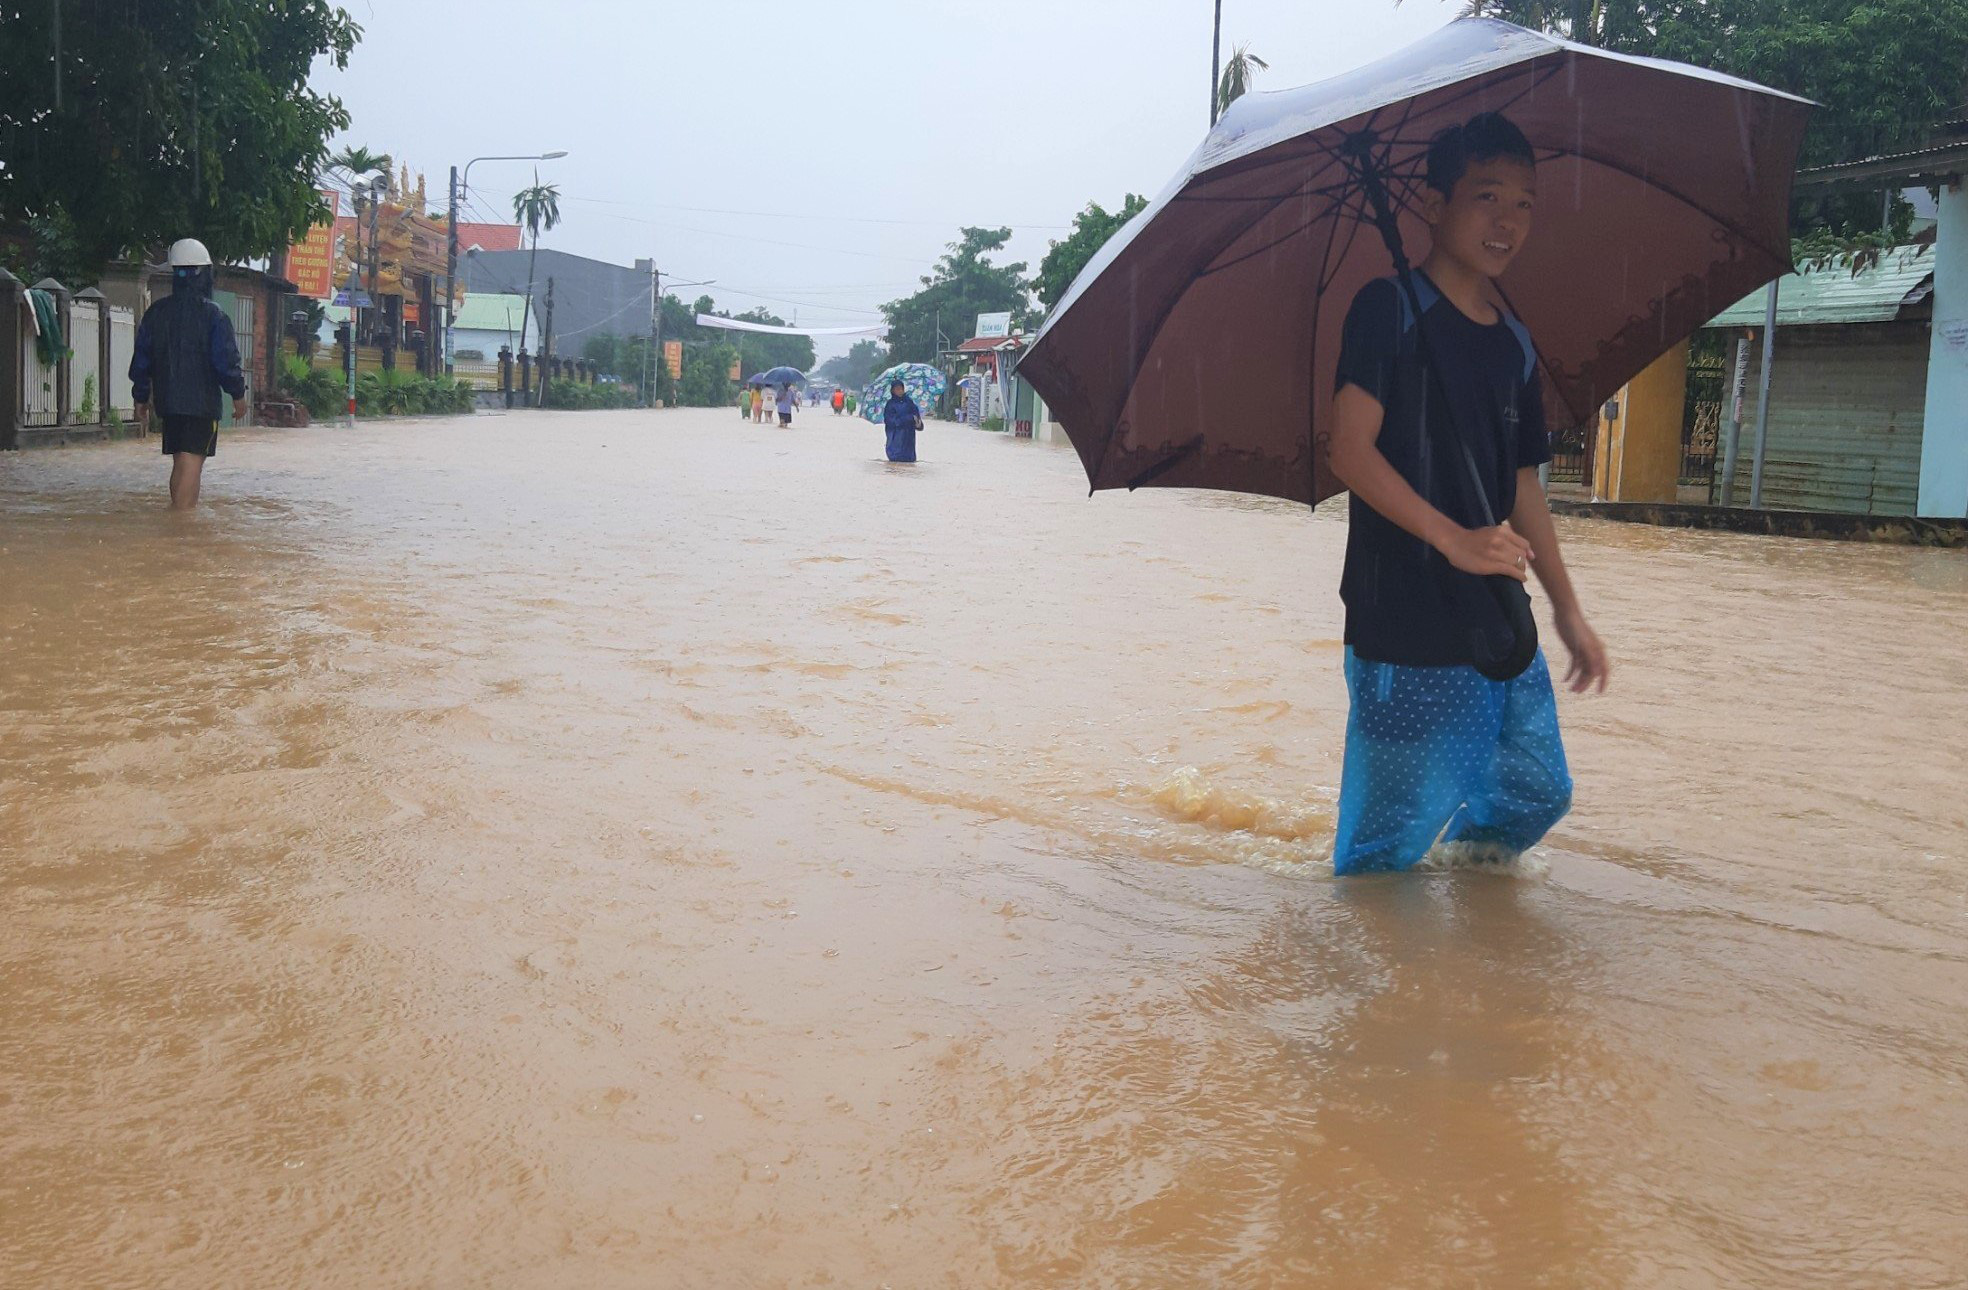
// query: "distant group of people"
[[756, 403], [901, 417]]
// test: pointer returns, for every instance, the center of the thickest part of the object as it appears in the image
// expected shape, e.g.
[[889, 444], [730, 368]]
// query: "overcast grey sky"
[[816, 155]]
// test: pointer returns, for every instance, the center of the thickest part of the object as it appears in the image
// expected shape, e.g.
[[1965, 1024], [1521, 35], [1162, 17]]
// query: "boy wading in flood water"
[[1435, 749], [185, 355]]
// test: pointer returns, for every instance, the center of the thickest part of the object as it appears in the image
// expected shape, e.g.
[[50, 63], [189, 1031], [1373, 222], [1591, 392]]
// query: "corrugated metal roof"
[[1903, 276], [490, 311]]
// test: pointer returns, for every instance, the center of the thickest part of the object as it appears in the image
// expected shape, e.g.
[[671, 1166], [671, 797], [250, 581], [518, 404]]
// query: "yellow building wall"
[[1639, 458]]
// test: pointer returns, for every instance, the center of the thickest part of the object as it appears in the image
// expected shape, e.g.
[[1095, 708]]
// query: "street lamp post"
[[459, 185], [378, 189]]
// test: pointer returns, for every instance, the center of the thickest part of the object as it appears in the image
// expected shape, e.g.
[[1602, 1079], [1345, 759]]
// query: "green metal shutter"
[[1846, 407]]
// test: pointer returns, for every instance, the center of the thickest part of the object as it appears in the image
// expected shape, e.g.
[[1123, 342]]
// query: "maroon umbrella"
[[1197, 349]]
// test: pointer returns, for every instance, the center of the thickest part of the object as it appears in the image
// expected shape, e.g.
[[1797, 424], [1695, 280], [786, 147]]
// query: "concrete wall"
[[1639, 458], [591, 297]]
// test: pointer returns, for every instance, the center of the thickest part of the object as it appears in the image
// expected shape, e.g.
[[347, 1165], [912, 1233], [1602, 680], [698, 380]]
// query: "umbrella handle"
[[1358, 149]]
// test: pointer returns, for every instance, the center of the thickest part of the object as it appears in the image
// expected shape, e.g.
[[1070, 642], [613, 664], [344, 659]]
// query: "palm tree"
[[1238, 74], [538, 208], [358, 162]]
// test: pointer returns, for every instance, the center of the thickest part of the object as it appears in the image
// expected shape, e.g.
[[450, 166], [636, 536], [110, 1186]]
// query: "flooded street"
[[636, 849]]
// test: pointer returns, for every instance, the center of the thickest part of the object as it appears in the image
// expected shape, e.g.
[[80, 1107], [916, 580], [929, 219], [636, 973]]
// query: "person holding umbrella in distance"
[[902, 418]]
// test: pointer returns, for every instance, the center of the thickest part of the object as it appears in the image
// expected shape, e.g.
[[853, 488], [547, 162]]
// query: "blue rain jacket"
[[185, 349], [903, 418]]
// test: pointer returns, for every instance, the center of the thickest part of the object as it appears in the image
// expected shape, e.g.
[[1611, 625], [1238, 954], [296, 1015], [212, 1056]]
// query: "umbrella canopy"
[[779, 376], [921, 382], [1197, 348]]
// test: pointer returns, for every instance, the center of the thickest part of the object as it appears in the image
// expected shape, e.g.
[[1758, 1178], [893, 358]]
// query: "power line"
[[808, 217], [766, 241]]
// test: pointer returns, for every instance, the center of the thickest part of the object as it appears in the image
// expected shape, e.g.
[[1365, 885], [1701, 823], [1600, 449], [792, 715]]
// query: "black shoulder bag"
[[1494, 609]]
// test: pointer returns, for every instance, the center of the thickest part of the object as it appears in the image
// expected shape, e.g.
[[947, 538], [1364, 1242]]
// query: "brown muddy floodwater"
[[630, 850]]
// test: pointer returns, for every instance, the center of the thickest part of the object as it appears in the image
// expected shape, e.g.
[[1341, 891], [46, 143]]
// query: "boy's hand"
[[141, 415], [1589, 666], [1486, 551]]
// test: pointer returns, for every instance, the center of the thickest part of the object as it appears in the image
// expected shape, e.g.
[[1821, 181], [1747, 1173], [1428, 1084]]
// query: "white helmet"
[[190, 253]]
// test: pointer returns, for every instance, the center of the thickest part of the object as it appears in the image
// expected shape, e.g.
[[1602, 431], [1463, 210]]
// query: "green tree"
[[706, 375], [963, 285], [124, 127], [857, 366], [1238, 73], [1885, 70], [1091, 229], [537, 209]]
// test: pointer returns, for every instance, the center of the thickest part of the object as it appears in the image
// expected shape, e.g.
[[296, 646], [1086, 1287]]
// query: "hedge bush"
[[387, 393]]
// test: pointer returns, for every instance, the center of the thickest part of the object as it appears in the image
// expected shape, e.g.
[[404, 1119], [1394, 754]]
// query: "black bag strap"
[[1375, 188]]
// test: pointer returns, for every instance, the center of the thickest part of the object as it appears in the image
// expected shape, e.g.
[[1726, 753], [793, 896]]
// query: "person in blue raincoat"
[[903, 418], [186, 356]]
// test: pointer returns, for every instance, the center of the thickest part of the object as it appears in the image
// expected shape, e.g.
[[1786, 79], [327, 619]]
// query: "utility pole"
[[546, 350], [459, 184], [348, 348], [451, 272], [1763, 396], [655, 330], [1216, 58]]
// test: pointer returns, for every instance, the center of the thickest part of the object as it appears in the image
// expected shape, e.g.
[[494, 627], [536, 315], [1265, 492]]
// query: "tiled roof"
[[493, 237], [981, 344]]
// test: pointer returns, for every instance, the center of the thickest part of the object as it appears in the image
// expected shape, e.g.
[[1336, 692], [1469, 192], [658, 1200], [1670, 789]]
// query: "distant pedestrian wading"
[[186, 356], [902, 418]]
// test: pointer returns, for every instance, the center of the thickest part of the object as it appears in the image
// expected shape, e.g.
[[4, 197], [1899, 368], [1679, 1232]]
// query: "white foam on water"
[[1293, 839], [1483, 857]]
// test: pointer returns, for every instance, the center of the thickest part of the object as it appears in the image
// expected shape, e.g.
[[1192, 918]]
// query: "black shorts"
[[190, 434], [785, 418]]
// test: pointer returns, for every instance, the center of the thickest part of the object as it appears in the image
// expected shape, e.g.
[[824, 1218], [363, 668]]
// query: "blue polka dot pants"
[[1446, 754]]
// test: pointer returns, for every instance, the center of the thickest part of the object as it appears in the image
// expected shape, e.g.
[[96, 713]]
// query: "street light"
[[451, 251], [656, 326]]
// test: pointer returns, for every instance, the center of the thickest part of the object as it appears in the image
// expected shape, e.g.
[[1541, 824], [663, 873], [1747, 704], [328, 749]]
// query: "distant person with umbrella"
[[786, 402], [902, 418], [1444, 741]]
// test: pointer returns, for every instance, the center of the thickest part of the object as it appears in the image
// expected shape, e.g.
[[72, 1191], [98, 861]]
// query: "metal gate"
[[85, 392], [1706, 399], [240, 310], [1568, 455], [40, 400], [122, 346]]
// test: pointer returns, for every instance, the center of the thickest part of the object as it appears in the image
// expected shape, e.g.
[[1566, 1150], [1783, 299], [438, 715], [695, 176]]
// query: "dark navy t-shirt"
[[1397, 610]]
